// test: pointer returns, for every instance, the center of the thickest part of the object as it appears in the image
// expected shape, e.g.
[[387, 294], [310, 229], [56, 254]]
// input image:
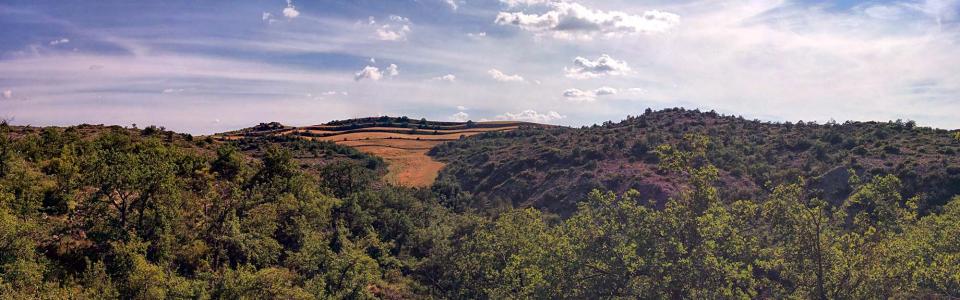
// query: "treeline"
[[108, 213]]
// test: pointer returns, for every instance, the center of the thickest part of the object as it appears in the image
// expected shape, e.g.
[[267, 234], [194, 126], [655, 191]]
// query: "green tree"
[[614, 249], [509, 258]]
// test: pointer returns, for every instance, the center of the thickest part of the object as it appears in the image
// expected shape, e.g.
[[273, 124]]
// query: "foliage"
[[699, 246], [554, 168], [110, 212], [105, 213]]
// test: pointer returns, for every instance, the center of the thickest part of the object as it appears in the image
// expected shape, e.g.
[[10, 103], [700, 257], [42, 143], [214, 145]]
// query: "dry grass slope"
[[403, 147]]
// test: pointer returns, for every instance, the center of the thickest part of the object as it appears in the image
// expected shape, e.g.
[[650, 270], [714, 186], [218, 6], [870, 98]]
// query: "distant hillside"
[[553, 168], [401, 141], [307, 154]]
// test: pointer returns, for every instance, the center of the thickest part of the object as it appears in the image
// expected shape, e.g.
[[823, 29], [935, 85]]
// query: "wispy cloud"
[[447, 78], [876, 60], [530, 115], [502, 77], [395, 29], [59, 41], [578, 95]]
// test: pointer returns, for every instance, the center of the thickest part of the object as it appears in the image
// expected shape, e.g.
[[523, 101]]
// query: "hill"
[[401, 141], [553, 168], [97, 212]]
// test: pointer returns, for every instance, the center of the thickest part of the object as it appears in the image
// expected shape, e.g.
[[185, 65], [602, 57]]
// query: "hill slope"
[[402, 142], [553, 168]]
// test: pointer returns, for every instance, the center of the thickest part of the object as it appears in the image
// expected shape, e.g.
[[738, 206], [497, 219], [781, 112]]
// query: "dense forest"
[[670, 204]]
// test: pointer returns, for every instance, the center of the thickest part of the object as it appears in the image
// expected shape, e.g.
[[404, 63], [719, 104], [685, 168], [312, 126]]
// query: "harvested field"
[[389, 135], [403, 146], [413, 168], [393, 143]]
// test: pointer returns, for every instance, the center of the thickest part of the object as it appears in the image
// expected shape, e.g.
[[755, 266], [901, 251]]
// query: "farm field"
[[403, 145]]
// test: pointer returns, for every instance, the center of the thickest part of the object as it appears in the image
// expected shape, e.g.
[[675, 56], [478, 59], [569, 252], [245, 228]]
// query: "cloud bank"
[[578, 95], [530, 115], [573, 20]]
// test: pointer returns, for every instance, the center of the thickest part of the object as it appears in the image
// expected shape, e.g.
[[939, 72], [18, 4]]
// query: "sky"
[[206, 66]]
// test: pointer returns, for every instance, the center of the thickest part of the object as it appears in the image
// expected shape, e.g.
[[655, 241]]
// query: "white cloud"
[[478, 35], [448, 78], [368, 72], [374, 73], [395, 29], [171, 91], [783, 61], [572, 20], [461, 107], [326, 94], [268, 17], [451, 3], [767, 59], [584, 68], [290, 11], [460, 117], [386, 33], [578, 95], [393, 70], [515, 3], [7, 94], [604, 91], [500, 76], [59, 41], [530, 116]]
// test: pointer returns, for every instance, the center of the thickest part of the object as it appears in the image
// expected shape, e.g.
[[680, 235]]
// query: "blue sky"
[[210, 66]]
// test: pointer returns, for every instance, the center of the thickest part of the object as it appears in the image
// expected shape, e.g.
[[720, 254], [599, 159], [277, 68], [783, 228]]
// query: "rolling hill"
[[106, 212], [487, 165], [402, 142], [553, 168]]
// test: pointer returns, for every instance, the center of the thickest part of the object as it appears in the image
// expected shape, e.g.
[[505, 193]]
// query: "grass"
[[405, 149]]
